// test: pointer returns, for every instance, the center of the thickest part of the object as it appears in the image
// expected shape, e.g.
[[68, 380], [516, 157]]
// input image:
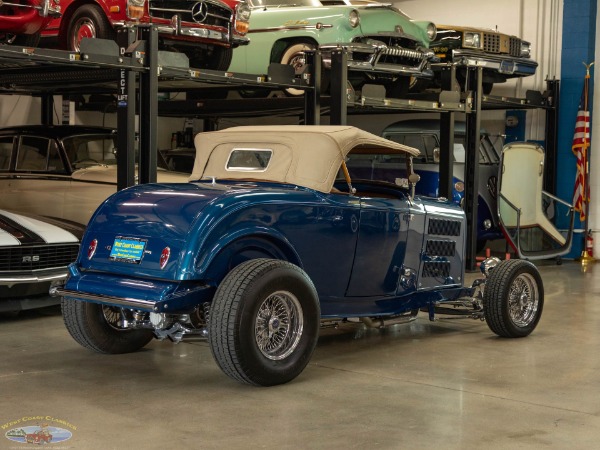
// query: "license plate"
[[129, 250], [507, 67]]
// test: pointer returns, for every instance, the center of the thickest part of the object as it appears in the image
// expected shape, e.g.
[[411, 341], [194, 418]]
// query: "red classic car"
[[38, 437], [205, 30], [22, 20]]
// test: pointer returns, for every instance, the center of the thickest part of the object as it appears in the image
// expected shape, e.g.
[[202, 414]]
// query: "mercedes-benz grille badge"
[[199, 12]]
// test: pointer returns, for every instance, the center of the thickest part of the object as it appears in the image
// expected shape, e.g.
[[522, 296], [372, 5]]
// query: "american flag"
[[581, 142]]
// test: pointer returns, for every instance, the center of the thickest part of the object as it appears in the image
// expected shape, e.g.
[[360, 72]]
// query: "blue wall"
[[578, 45]]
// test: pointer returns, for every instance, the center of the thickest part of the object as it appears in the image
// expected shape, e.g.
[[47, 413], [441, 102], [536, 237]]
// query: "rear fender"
[[241, 246]]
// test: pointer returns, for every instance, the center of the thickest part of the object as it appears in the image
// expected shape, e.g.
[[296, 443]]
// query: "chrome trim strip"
[[289, 28], [522, 66], [194, 32], [125, 302], [33, 278]]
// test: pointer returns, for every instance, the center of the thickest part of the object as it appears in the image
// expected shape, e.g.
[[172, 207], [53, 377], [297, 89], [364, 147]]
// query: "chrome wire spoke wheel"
[[523, 300], [114, 317], [278, 326]]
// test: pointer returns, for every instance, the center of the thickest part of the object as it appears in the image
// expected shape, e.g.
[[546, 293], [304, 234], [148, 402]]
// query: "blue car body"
[[353, 250], [272, 238]]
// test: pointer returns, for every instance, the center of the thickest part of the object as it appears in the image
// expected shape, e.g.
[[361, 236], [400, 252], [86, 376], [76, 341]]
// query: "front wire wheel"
[[513, 298], [264, 322]]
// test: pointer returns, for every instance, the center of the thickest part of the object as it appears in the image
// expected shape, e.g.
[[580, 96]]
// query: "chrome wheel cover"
[[523, 300], [278, 325], [84, 27], [298, 61]]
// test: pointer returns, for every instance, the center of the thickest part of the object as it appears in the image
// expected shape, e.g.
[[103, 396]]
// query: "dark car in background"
[[425, 136], [21, 21], [34, 252]]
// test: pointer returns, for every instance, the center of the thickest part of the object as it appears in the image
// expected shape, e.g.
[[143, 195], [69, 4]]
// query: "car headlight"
[[354, 18], [242, 17], [472, 40], [135, 9], [459, 186], [431, 31], [525, 49]]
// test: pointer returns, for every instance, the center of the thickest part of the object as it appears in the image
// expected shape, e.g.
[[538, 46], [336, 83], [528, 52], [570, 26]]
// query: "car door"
[[381, 246]]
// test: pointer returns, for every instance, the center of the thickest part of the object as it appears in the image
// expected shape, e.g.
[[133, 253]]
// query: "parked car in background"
[[271, 238], [385, 46], [179, 159], [60, 171], [501, 56], [425, 136], [206, 31], [34, 251], [21, 21]]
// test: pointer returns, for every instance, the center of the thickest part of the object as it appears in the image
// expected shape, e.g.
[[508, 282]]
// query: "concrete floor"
[[450, 385]]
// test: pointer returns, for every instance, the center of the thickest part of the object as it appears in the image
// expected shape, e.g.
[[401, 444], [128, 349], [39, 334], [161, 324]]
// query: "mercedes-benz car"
[[206, 31], [273, 237], [22, 21]]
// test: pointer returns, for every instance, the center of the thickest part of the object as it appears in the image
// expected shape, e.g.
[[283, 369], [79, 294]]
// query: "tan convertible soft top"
[[305, 155]]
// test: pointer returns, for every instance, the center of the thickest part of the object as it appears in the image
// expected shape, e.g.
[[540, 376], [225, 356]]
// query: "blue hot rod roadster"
[[272, 237]]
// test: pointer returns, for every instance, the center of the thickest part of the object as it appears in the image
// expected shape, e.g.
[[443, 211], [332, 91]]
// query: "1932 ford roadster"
[[272, 237]]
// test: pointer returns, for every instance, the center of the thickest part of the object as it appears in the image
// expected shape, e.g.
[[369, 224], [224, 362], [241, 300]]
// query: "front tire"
[[295, 56], [513, 298], [264, 322], [97, 328], [87, 21], [25, 40]]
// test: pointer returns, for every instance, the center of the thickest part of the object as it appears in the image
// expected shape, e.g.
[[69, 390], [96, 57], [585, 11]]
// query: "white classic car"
[[60, 171]]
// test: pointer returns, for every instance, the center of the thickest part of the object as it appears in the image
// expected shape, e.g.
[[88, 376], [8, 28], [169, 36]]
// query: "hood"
[[108, 174], [386, 19], [21, 230]]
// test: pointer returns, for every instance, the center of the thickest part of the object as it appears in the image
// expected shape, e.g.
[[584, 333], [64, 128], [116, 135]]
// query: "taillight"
[[92, 248], [164, 257]]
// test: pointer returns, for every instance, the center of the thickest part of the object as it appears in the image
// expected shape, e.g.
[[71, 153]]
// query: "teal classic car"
[[384, 45]]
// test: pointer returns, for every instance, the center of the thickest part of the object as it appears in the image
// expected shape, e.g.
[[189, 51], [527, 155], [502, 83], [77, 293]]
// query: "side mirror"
[[436, 155]]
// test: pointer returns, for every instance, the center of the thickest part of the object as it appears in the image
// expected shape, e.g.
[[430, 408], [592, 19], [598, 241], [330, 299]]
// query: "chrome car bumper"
[[371, 57], [34, 277], [176, 29], [504, 64], [148, 295]]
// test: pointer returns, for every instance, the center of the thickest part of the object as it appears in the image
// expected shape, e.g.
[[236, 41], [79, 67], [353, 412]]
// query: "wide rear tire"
[[264, 322], [96, 327], [513, 298]]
